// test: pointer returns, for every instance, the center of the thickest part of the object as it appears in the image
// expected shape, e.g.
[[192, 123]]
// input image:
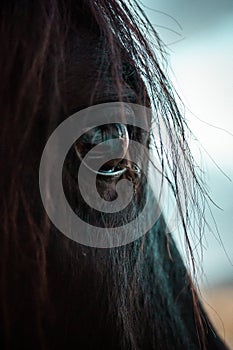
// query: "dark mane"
[[55, 293]]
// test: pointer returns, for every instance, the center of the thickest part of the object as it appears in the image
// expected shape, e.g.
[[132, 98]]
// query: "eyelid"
[[97, 134]]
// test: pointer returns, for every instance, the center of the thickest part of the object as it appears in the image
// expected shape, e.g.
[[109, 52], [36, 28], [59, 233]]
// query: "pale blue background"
[[201, 58]]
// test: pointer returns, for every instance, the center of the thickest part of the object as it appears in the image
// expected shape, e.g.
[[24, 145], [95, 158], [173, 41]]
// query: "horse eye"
[[104, 133]]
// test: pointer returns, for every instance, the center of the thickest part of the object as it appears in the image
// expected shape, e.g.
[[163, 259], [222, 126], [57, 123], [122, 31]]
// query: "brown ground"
[[218, 303]]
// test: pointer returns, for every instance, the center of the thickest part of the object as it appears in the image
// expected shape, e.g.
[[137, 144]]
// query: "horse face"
[[86, 84]]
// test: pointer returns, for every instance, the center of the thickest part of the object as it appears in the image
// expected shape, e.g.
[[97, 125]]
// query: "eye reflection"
[[105, 133]]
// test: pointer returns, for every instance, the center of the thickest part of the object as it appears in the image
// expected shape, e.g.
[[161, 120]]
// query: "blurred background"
[[199, 39]]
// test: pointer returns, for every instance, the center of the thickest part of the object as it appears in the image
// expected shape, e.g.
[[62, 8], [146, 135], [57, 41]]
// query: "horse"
[[58, 58]]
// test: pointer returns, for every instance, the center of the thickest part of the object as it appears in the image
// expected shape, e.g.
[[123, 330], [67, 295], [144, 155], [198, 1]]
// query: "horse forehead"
[[88, 71]]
